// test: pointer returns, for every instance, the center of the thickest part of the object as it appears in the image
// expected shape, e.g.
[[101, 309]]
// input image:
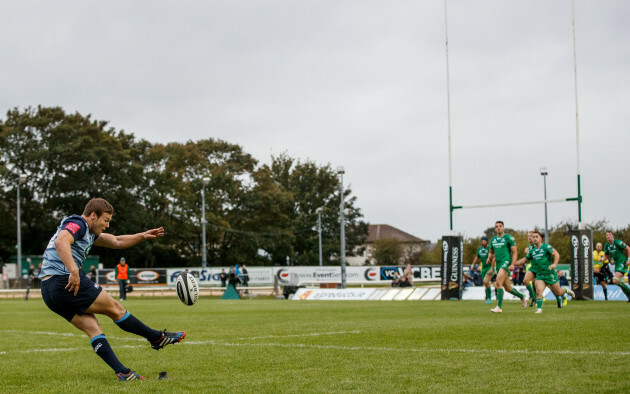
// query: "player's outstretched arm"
[[474, 262], [127, 241]]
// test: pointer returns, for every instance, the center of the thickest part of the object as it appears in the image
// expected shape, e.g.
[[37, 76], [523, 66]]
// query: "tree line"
[[257, 214]]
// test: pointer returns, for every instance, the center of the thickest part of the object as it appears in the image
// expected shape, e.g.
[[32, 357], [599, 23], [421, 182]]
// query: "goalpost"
[[452, 245]]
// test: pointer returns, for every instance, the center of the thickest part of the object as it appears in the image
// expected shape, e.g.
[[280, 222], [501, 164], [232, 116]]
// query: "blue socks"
[[101, 347], [131, 324]]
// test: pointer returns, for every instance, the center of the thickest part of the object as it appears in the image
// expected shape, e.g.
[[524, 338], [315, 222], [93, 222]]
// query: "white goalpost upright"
[[453, 207], [452, 245]]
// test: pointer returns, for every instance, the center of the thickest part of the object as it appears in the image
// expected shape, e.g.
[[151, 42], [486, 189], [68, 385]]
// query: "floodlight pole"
[[21, 180], [544, 173], [319, 232], [204, 259], [342, 236]]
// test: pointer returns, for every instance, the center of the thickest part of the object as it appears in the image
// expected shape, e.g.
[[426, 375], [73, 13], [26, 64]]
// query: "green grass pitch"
[[268, 345]]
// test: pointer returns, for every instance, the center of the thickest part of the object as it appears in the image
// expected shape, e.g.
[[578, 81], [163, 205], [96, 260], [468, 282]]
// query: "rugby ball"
[[187, 288]]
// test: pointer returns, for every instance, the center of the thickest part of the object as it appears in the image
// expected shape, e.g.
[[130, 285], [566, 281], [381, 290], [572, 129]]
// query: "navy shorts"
[[65, 303]]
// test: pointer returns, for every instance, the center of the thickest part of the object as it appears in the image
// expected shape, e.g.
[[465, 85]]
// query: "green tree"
[[433, 254], [387, 251], [310, 187], [67, 159]]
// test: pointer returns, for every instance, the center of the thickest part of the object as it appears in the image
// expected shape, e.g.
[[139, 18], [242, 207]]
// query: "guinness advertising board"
[[582, 263], [452, 267]]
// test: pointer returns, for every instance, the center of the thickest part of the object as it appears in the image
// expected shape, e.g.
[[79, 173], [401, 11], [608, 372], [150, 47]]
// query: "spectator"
[[31, 275], [520, 275], [408, 273], [223, 276], [562, 279], [467, 282], [233, 278], [515, 276], [36, 271], [244, 277], [404, 282], [475, 274], [121, 273], [396, 280]]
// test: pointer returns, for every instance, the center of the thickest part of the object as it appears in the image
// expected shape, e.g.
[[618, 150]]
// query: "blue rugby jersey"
[[83, 241]]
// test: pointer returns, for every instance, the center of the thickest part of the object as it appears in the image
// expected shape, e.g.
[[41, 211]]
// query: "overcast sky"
[[359, 84]]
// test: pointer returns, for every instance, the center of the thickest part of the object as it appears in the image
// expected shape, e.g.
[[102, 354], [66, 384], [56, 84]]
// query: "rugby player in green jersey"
[[619, 253], [540, 256], [486, 266], [530, 277], [503, 251]]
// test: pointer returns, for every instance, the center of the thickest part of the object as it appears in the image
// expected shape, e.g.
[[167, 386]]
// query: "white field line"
[[420, 350], [314, 334], [335, 347], [68, 334]]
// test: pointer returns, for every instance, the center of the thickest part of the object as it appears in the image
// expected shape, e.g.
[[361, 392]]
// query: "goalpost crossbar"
[[508, 204]]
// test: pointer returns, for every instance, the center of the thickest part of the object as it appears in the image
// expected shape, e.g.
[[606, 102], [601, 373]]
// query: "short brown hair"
[[98, 206]]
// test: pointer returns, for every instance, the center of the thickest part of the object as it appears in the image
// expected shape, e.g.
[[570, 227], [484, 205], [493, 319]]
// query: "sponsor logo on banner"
[[153, 277], [614, 293], [444, 264], [265, 276], [283, 275], [333, 294], [576, 264], [455, 264], [258, 276], [305, 295], [452, 248], [372, 274], [148, 275], [388, 273], [587, 271], [581, 264]]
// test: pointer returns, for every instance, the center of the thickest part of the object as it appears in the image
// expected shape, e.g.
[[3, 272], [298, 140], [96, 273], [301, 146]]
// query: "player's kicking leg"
[[106, 305]]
